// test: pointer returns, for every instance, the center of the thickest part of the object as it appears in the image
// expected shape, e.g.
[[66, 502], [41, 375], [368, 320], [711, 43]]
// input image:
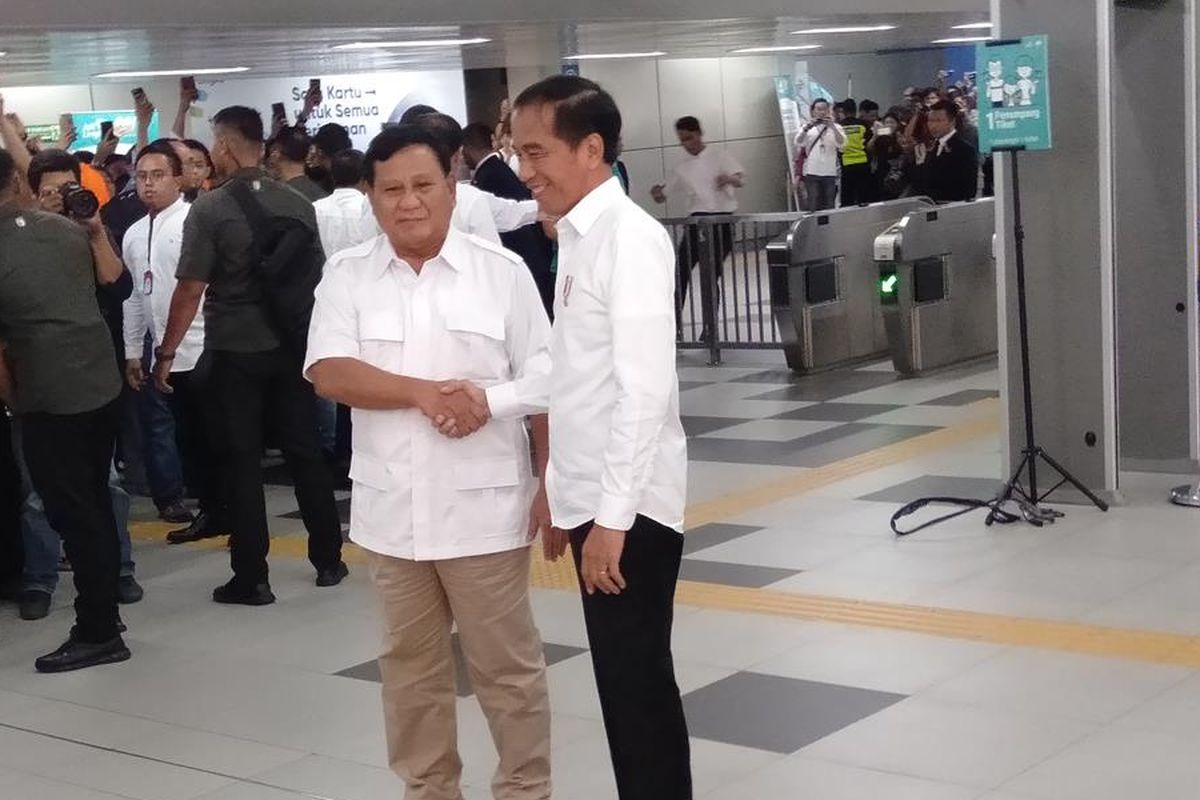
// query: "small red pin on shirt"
[[567, 284]]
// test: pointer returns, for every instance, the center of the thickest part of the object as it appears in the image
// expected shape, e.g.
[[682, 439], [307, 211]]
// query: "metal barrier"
[[824, 285], [723, 297], [937, 284]]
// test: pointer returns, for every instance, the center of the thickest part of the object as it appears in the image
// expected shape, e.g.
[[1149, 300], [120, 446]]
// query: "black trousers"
[[701, 243], [858, 185], [68, 458], [630, 638], [200, 470], [246, 392], [12, 557]]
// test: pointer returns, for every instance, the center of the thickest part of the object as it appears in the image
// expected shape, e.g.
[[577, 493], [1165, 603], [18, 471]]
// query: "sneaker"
[[128, 590], [333, 576], [233, 594], [34, 604], [73, 655], [175, 512]]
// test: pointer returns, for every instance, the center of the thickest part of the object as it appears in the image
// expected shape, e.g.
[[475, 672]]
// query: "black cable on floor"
[[998, 512]]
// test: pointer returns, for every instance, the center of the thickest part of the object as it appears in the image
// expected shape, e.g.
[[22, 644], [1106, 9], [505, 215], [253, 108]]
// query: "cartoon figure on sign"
[[995, 83], [1027, 86]]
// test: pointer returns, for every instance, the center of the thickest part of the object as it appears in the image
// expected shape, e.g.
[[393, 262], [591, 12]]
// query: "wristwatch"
[[161, 355]]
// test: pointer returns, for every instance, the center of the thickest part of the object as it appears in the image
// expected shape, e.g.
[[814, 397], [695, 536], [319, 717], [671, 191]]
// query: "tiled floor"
[[282, 702]]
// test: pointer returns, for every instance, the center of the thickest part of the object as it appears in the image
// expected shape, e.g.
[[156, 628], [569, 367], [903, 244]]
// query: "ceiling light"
[[159, 73], [974, 26], [411, 43], [850, 29], [962, 40], [3, 53], [779, 49], [597, 56]]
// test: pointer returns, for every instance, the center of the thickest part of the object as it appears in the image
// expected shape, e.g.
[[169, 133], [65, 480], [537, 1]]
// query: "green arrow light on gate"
[[888, 284]]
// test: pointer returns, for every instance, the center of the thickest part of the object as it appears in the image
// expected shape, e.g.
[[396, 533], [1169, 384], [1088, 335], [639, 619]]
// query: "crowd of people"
[[849, 153], [380, 322]]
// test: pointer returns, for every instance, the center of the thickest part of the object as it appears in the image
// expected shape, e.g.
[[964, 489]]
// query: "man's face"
[[870, 116], [157, 184], [555, 172], [692, 141], [413, 200], [932, 99], [49, 197], [940, 123], [195, 167], [272, 162], [821, 111]]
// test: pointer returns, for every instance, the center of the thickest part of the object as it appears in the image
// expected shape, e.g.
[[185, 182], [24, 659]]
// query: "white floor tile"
[[329, 777], [240, 758], [715, 764], [733, 640], [785, 548], [20, 787], [801, 776], [88, 725], [1175, 711], [772, 430], [142, 779]]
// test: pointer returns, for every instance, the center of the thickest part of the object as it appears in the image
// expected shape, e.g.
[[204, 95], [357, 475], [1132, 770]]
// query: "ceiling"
[[58, 56]]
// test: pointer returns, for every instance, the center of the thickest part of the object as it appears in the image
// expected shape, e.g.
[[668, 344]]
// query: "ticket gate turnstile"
[[937, 279], [825, 285]]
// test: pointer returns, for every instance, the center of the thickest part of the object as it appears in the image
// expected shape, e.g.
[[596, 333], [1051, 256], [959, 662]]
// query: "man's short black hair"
[[8, 168], [688, 124], [245, 122], [346, 169], [477, 136], [292, 142], [402, 137], [850, 107], [867, 106], [416, 112], [581, 108], [51, 161], [446, 129], [84, 156], [948, 107], [199, 147], [162, 147], [332, 139]]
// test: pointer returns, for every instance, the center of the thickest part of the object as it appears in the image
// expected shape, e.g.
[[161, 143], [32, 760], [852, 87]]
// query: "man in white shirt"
[[617, 478], [340, 215], [445, 501], [151, 250], [822, 140], [708, 178]]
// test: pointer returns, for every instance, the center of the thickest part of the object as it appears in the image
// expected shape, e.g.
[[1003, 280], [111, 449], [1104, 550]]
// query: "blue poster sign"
[[87, 128], [1014, 95]]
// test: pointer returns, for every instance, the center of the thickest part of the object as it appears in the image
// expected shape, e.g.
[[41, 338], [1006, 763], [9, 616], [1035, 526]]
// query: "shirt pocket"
[[477, 342], [490, 498], [381, 337], [373, 483]]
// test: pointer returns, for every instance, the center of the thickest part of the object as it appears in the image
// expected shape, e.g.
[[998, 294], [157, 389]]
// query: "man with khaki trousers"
[[439, 343]]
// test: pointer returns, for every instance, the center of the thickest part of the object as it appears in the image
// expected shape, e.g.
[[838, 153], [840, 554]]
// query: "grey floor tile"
[[779, 454], [937, 486], [745, 575], [962, 398], [829, 386], [838, 412], [369, 670], [780, 376], [780, 715], [713, 534], [698, 426], [863, 441], [685, 385]]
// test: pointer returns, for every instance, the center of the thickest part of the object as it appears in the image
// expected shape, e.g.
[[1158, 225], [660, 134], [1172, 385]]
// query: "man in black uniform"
[[251, 375]]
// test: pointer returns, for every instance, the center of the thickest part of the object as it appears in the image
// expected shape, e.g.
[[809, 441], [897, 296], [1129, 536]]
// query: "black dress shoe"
[[201, 528], [175, 512], [333, 576], [128, 590], [34, 604], [75, 654], [233, 594]]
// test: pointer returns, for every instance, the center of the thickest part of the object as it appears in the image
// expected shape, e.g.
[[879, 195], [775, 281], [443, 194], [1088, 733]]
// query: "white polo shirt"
[[617, 446], [821, 145], [151, 251], [696, 178], [472, 313], [476, 212]]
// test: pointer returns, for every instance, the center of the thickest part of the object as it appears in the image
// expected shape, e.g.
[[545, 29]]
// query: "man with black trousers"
[[951, 169], [617, 477], [251, 373], [491, 174], [57, 375]]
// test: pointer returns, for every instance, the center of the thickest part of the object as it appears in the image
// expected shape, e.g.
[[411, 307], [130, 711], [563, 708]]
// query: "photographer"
[[58, 376], [821, 140]]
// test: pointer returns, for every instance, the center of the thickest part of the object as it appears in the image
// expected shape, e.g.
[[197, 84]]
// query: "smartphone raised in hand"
[[139, 95], [106, 130], [187, 83], [314, 84], [279, 112]]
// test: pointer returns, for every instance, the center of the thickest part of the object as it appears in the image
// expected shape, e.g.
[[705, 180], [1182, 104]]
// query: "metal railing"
[[723, 292]]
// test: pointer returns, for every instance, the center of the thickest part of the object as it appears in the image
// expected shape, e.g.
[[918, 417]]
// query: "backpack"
[[288, 262]]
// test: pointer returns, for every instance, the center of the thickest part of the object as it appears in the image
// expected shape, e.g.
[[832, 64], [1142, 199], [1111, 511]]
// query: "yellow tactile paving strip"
[[1148, 646]]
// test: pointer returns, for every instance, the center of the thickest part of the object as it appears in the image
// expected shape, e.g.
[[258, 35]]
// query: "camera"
[[77, 202]]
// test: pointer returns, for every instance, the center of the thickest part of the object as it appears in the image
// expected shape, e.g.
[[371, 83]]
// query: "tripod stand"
[[1032, 453]]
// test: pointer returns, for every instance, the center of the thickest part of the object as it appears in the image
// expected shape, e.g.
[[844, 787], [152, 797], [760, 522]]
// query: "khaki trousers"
[[488, 598]]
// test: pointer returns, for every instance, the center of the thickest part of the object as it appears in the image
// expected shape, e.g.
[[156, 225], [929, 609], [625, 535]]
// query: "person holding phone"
[[822, 140]]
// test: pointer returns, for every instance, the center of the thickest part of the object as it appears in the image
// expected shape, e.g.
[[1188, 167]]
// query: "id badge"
[[148, 283]]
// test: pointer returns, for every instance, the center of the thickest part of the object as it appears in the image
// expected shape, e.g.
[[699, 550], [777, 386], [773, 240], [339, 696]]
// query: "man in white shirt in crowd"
[[445, 501], [340, 215], [151, 250], [708, 178], [822, 140], [617, 478]]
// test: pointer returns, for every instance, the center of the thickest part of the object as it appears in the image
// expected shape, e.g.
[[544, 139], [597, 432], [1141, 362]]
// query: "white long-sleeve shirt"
[[476, 212], [617, 445], [472, 313], [151, 251], [341, 221]]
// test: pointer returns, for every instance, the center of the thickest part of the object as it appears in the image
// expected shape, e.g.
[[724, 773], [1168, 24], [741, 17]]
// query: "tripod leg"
[[1088, 493], [1012, 487]]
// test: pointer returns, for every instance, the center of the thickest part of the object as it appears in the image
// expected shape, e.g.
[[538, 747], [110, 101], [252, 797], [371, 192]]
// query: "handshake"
[[456, 408]]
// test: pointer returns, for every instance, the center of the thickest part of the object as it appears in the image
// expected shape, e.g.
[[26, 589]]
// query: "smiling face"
[[413, 200], [558, 174]]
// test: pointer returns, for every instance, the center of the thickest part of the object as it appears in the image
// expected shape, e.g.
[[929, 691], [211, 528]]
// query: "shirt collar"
[[588, 210], [454, 253], [346, 191], [486, 159], [945, 140]]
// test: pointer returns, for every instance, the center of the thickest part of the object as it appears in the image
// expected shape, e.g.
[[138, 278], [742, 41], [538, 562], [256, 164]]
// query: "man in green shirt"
[[57, 375]]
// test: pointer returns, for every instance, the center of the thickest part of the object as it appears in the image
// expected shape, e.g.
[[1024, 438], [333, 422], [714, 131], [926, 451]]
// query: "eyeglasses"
[[151, 177]]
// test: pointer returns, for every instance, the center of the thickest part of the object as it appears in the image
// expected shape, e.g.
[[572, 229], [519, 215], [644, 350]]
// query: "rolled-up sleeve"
[[528, 340], [642, 315], [333, 331]]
